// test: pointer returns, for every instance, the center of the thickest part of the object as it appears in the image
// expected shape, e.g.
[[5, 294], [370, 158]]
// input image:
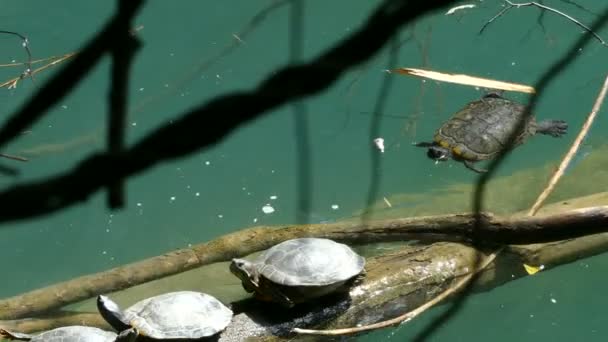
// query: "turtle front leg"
[[273, 294], [471, 166]]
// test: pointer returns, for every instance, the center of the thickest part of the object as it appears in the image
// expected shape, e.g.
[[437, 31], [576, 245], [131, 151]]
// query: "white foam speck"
[[268, 209]]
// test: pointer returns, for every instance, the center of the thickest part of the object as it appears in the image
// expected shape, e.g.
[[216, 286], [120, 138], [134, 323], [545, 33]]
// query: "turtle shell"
[[482, 128], [74, 333], [179, 315], [309, 262]]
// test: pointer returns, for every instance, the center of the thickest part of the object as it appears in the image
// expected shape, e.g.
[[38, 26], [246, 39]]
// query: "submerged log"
[[459, 227], [395, 282]]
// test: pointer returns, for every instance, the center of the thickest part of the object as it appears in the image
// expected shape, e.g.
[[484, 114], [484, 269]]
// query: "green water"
[[223, 188]]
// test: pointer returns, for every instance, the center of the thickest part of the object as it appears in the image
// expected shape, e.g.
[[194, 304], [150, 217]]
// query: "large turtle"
[[297, 270], [482, 128], [173, 315], [75, 333]]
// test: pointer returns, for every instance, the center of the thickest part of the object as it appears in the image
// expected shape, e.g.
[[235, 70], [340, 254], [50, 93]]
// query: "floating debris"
[[379, 144], [268, 209], [387, 202], [458, 8], [533, 269]]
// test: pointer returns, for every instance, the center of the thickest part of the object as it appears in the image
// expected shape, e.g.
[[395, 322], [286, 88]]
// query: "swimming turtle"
[[482, 128], [297, 270], [75, 333], [173, 315]]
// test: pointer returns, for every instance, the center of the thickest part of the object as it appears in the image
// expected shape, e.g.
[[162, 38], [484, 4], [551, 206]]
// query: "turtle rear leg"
[[554, 128], [11, 335], [471, 166]]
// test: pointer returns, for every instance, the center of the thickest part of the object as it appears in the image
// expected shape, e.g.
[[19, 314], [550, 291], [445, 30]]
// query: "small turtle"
[[173, 315], [75, 333], [297, 270], [482, 128]]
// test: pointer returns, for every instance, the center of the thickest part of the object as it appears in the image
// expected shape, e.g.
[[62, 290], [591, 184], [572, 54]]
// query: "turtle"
[[172, 315], [482, 128], [298, 270], [74, 333]]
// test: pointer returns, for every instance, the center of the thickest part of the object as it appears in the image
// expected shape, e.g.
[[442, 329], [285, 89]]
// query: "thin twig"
[[580, 7], [559, 172], [36, 61], [547, 8], [56, 60], [26, 45], [498, 15], [13, 157], [409, 315]]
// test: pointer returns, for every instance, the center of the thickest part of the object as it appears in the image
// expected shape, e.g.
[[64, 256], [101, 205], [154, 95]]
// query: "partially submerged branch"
[[559, 172], [403, 279], [458, 227]]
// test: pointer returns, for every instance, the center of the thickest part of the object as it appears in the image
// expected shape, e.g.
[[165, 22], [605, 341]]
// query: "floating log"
[[395, 282]]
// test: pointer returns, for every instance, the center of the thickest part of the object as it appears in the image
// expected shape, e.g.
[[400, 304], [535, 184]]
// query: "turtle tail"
[[111, 313], [554, 128]]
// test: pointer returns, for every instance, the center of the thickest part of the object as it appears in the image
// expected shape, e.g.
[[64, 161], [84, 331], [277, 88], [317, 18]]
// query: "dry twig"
[[12, 83]]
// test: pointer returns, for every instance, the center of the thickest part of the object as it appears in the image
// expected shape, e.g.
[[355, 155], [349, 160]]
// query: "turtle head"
[[439, 153], [111, 312], [245, 271]]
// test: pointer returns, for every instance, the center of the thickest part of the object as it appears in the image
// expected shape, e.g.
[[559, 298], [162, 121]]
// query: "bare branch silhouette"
[[61, 83], [122, 59], [194, 128], [304, 177]]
